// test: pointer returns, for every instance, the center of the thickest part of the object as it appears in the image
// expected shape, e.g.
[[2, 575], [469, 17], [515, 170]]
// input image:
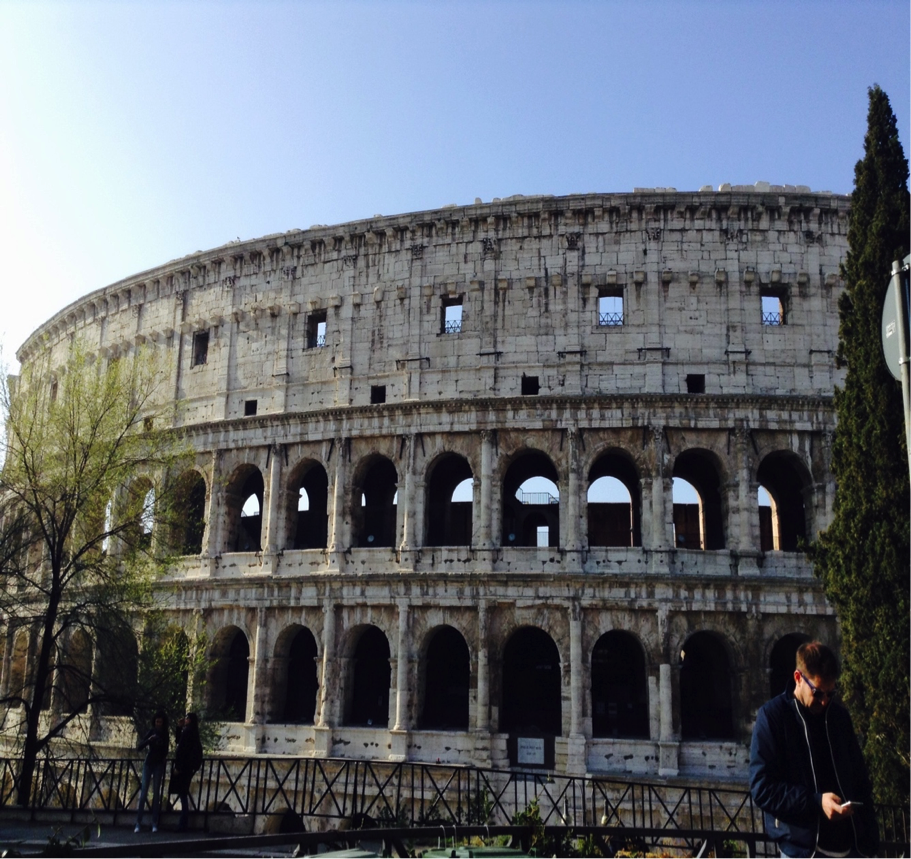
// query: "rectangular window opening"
[[773, 307], [200, 348], [249, 408], [377, 394], [316, 329], [610, 307], [530, 385], [695, 383], [452, 315]]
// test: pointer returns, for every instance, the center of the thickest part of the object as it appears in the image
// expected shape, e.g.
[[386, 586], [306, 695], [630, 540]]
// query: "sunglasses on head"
[[819, 694]]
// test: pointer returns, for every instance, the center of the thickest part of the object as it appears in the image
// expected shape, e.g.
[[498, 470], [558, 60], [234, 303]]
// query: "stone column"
[[405, 517], [482, 718], [338, 532], [273, 519], [258, 671], [575, 670], [215, 512], [668, 748], [328, 685], [401, 674], [572, 539], [485, 493], [327, 681]]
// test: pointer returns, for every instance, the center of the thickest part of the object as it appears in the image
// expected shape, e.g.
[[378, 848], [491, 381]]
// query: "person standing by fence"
[[156, 742], [807, 772], [187, 761]]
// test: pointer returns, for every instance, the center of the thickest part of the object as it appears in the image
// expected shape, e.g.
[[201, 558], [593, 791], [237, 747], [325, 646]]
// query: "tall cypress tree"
[[863, 558]]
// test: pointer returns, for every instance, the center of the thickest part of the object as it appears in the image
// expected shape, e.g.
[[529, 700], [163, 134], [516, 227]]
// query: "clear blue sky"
[[132, 133]]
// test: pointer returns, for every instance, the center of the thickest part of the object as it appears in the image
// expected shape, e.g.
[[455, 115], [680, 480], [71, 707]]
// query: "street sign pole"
[[900, 286]]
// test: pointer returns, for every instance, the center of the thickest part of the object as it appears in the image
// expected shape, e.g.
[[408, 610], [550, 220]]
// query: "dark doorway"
[[369, 676], [302, 684], [374, 504], [309, 518], [705, 689], [619, 692], [237, 669], [531, 699], [447, 671], [189, 518], [783, 663], [448, 519]]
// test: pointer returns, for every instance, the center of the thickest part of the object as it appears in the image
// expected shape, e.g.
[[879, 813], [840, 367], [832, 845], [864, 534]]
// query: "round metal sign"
[[892, 346]]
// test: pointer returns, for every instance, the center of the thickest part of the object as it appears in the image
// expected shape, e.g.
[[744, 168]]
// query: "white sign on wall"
[[530, 750]]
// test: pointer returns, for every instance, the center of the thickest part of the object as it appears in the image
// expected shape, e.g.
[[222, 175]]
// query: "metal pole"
[[901, 308]]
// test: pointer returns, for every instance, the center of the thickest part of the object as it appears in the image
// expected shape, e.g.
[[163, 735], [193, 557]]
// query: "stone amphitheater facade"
[[341, 384]]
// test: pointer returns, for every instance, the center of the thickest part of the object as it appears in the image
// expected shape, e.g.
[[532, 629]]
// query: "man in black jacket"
[[806, 769]]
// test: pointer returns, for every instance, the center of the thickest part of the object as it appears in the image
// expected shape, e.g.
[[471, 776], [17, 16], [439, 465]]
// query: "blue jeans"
[[154, 773]]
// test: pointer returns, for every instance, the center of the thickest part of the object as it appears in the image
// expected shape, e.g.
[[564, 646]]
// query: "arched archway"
[[619, 691], [446, 674], [613, 502], [244, 502], [783, 662], [705, 516], [373, 505], [75, 670], [369, 676], [300, 679], [706, 689], [230, 673], [307, 514], [531, 697], [531, 502], [783, 522], [448, 519], [188, 517]]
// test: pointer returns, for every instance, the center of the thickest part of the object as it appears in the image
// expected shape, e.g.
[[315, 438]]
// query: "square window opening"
[[452, 315], [249, 408], [200, 348], [695, 383], [773, 307], [610, 307], [530, 385], [377, 394], [316, 329]]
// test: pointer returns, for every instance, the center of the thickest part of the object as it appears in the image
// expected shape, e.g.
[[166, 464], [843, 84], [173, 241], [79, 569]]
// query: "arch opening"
[[614, 503], [230, 674], [369, 677], [301, 683], [374, 511], [446, 676], [783, 521], [531, 502], [245, 504], [699, 522], [308, 518], [449, 514], [531, 699], [189, 514], [783, 662], [618, 687], [706, 689]]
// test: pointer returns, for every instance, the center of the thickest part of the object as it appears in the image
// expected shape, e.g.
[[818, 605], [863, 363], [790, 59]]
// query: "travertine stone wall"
[[690, 271]]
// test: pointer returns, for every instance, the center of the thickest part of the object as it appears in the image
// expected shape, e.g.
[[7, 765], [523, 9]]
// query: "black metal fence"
[[326, 791]]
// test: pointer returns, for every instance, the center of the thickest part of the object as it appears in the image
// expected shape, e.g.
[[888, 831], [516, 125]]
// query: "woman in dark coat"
[[187, 761], [156, 743]]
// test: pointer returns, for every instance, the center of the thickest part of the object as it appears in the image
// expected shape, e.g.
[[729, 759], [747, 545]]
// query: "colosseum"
[[520, 484]]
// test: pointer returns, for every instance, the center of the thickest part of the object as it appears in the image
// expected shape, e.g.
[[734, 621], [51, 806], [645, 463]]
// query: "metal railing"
[[536, 497], [773, 318], [413, 794], [453, 326], [610, 319]]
